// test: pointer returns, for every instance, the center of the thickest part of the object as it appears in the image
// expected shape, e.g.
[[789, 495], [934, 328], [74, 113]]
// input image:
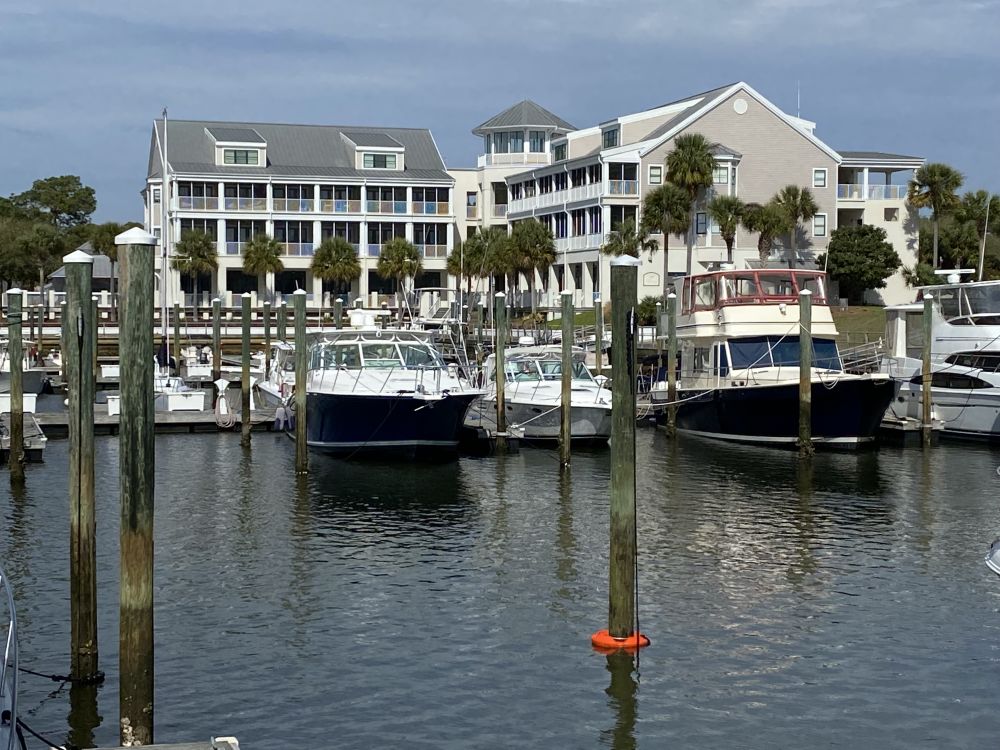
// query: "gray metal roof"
[[718, 149], [878, 156], [374, 140], [236, 135], [296, 151], [698, 99], [524, 114], [102, 265]]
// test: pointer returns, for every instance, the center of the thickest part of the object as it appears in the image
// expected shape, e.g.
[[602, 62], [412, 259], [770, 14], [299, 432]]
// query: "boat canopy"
[[368, 350], [975, 303], [711, 291]]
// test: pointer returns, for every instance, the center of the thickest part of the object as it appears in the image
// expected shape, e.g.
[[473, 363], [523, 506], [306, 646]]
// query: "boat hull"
[[847, 415], [966, 414], [543, 422], [401, 425]]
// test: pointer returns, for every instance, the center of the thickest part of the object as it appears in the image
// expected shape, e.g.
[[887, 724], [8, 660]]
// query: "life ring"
[[602, 640]]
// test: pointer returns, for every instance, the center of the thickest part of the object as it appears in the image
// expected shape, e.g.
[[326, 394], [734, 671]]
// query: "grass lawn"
[[584, 318], [856, 322]]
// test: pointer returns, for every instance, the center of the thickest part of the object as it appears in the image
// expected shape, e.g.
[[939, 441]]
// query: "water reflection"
[[566, 544], [622, 702], [83, 717]]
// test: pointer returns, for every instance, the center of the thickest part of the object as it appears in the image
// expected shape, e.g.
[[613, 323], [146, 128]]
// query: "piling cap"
[[566, 293], [245, 295], [13, 291], [805, 293], [300, 291], [671, 296], [136, 236], [215, 299], [78, 256], [501, 295], [626, 260]]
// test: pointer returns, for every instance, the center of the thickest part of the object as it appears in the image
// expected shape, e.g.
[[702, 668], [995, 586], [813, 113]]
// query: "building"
[[299, 184], [588, 182]]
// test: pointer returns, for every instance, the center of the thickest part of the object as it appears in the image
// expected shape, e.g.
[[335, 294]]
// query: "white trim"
[[649, 174], [826, 178], [826, 225]]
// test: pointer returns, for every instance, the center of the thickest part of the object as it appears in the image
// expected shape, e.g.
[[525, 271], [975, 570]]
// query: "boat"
[[8, 667], [33, 379], [275, 389], [993, 557], [738, 335], [533, 395], [173, 394], [34, 439], [386, 391]]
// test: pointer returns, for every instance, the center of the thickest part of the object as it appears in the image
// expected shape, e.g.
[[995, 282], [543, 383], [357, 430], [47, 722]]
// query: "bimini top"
[[765, 286]]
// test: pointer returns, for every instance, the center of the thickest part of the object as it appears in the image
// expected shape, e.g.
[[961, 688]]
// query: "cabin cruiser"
[[275, 389], [738, 335], [8, 666], [965, 357], [386, 391], [533, 395]]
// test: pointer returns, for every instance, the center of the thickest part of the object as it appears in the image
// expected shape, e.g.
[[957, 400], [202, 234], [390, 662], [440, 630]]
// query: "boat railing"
[[864, 358], [8, 667]]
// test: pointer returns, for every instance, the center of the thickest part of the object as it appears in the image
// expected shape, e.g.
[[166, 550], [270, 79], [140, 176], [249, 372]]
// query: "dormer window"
[[379, 161], [242, 156], [559, 152], [611, 138]]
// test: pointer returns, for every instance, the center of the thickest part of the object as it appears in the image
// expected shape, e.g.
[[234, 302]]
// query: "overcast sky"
[[80, 82]]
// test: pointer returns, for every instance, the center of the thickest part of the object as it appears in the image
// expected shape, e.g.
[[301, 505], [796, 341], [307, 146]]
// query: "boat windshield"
[[775, 351], [713, 290], [986, 361], [379, 355], [975, 304], [528, 369]]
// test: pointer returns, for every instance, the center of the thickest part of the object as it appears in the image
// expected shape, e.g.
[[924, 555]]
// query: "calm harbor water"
[[448, 606]]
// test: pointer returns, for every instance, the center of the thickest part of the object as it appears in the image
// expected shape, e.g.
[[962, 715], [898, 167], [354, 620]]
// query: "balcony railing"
[[246, 204], [572, 195], [197, 203], [374, 250], [293, 205], [515, 159], [433, 251], [386, 207], [339, 206], [856, 192], [430, 207], [623, 187], [298, 248], [472, 212], [499, 210], [235, 248], [580, 242]]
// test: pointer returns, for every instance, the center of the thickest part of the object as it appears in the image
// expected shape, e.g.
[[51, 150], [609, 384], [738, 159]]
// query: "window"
[[819, 225], [890, 214], [471, 199], [701, 222], [561, 181], [655, 174], [516, 141], [611, 138], [156, 195], [559, 152], [380, 161], [536, 141], [240, 156], [720, 174], [819, 178]]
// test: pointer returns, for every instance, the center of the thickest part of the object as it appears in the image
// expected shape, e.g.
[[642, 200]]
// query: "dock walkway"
[[56, 424]]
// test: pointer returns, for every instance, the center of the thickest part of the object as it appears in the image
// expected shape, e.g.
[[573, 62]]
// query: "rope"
[[228, 420], [93, 679], [49, 743]]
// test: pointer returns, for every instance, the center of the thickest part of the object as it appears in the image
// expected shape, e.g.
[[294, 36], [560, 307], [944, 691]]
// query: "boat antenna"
[[982, 245]]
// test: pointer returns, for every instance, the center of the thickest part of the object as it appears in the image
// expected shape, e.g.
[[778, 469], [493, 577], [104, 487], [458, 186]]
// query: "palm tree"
[[335, 260], [690, 166], [979, 207], [797, 204], [261, 256], [532, 249], [492, 251], [102, 239], [934, 186], [195, 255], [399, 260], [666, 210], [769, 221], [627, 240], [727, 211]]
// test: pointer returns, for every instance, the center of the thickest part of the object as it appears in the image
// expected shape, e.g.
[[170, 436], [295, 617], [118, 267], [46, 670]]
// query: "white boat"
[[172, 394], [33, 379], [8, 666], [276, 388], [738, 335], [993, 557], [533, 396]]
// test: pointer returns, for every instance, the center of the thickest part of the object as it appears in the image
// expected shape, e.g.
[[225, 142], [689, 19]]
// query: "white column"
[[269, 226], [450, 235], [409, 199], [363, 243], [317, 229], [588, 286], [409, 231], [270, 200], [315, 197], [222, 192], [865, 183]]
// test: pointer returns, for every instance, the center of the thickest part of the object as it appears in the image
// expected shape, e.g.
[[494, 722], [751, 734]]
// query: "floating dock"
[[56, 424]]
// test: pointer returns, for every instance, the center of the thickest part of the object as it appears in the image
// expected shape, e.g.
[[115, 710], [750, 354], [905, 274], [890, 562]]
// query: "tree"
[[488, 254], [195, 254], [666, 210], [627, 240], [921, 275], [797, 204], [532, 248], [727, 212], [102, 239], [336, 260], [261, 256], [690, 166], [399, 260], [17, 264], [646, 311], [934, 186], [768, 221], [63, 201], [860, 258]]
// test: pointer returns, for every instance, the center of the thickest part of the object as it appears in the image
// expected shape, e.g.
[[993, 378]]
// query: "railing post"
[[245, 423], [15, 351], [927, 379], [301, 353], [806, 448], [566, 403]]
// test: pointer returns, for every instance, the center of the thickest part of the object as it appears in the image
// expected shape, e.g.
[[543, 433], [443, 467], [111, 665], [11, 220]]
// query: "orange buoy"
[[602, 640]]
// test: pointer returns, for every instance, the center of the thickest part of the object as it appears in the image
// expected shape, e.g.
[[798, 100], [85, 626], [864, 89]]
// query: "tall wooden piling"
[[806, 448], [267, 338], [245, 423], [301, 355], [659, 340], [282, 321], [672, 364], [96, 328], [136, 477], [565, 399], [216, 339], [926, 380], [499, 345], [78, 345], [338, 313], [15, 352], [599, 334], [177, 336]]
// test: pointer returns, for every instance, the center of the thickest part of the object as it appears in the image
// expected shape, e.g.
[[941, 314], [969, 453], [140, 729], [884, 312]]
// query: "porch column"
[[864, 182]]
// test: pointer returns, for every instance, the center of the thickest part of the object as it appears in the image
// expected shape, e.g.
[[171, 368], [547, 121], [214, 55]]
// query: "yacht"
[[279, 383], [8, 667], [738, 336], [533, 395], [386, 391]]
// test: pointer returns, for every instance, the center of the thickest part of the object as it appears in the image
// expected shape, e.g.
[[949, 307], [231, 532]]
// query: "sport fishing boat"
[[533, 396], [8, 667], [738, 335], [386, 391]]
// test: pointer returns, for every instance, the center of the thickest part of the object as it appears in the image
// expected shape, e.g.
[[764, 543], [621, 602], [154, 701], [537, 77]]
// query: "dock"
[[56, 424], [219, 743]]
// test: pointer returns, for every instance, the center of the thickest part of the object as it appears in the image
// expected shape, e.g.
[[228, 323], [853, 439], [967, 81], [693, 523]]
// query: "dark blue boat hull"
[[846, 415]]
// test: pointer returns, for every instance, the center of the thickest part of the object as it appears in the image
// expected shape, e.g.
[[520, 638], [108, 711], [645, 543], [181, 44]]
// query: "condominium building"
[[299, 184]]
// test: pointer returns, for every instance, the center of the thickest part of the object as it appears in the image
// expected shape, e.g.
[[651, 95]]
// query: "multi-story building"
[[591, 181], [300, 184]]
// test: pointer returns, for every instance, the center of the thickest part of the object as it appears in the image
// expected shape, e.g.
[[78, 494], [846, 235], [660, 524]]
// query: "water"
[[450, 606]]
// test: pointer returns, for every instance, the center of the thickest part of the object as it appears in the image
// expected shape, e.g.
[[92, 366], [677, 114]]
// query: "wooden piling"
[[216, 339], [301, 354], [672, 364], [96, 329], [136, 477], [659, 340], [927, 380], [621, 590], [177, 336], [338, 313], [245, 372], [499, 344], [599, 335], [282, 321], [267, 338], [15, 353], [565, 399], [78, 345], [806, 448]]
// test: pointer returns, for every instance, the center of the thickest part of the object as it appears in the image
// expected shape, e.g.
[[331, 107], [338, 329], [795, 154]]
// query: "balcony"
[[298, 248], [246, 204], [856, 192], [513, 160], [433, 251], [340, 206], [472, 212], [499, 210], [572, 195], [385, 207], [196, 203], [293, 205], [623, 187], [430, 208], [235, 248], [374, 250], [580, 242]]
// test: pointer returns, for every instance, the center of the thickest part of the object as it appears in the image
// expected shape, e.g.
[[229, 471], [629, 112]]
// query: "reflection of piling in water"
[[566, 403], [245, 373], [622, 700], [499, 344], [806, 448], [83, 717]]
